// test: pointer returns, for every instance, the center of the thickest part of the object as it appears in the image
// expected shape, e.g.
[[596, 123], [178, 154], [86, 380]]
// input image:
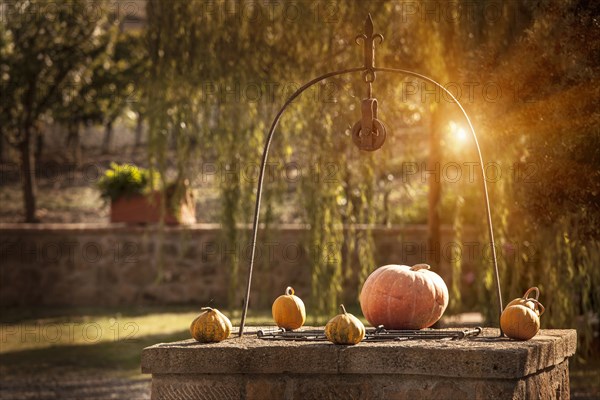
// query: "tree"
[[112, 84], [46, 49], [492, 41]]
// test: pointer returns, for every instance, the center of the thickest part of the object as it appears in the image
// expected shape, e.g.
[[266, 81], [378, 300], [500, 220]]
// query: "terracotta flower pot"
[[140, 209]]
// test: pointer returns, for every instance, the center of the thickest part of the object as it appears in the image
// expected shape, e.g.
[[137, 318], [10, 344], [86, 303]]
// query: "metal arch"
[[484, 178], [266, 154], [261, 177]]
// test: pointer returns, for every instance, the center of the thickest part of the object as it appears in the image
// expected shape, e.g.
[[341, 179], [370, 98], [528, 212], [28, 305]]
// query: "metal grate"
[[379, 334]]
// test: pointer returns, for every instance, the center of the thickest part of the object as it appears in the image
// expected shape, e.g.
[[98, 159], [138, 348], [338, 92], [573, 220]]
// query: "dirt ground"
[[70, 384]]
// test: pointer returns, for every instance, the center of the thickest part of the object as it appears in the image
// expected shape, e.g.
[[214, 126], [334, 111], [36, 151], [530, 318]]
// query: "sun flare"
[[457, 133]]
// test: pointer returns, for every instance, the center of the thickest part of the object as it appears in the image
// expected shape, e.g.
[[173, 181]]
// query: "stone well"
[[486, 367]]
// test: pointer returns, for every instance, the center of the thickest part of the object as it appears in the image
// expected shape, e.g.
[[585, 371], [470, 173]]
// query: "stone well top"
[[486, 356]]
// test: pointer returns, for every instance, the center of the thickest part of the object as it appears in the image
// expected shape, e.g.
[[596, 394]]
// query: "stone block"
[[480, 368], [260, 388], [199, 388]]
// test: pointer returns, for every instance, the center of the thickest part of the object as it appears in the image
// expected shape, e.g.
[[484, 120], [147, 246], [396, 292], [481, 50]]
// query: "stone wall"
[[106, 265]]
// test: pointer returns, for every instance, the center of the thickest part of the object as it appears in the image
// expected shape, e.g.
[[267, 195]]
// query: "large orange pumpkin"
[[402, 297]]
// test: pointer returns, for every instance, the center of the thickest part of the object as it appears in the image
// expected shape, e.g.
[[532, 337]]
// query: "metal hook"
[[369, 76]]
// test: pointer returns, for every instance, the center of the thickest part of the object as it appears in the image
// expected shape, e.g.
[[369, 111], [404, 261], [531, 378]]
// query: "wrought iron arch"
[[369, 73]]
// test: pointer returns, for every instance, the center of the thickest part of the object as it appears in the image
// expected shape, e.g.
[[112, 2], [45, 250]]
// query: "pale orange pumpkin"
[[210, 326], [402, 297], [288, 310]]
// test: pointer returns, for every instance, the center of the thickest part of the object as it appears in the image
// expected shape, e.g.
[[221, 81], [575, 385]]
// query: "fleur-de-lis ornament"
[[369, 43], [369, 133]]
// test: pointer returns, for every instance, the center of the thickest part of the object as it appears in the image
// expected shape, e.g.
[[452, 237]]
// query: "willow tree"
[[203, 67], [548, 123], [203, 61], [536, 87], [201, 64]]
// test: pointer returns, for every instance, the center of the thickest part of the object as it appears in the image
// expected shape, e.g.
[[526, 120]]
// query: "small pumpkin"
[[403, 297], [345, 329], [288, 310], [529, 302], [210, 326], [520, 320]]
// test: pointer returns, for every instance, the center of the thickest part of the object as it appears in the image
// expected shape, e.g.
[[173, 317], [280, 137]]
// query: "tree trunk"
[[434, 237], [28, 175], [139, 129], [108, 132], [39, 146], [387, 218], [1, 145], [73, 142], [434, 169]]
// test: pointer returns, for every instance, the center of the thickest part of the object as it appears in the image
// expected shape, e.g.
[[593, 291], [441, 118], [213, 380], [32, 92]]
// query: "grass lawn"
[[94, 338], [91, 343], [87, 353]]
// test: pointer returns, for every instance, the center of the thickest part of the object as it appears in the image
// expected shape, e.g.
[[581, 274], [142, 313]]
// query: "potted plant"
[[135, 200]]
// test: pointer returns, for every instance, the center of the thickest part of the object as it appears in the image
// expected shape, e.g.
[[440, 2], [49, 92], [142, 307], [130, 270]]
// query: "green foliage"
[[123, 180], [201, 63], [111, 83], [46, 51], [545, 207], [195, 73]]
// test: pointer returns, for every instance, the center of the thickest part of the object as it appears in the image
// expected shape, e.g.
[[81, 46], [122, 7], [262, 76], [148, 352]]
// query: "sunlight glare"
[[460, 134], [457, 132]]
